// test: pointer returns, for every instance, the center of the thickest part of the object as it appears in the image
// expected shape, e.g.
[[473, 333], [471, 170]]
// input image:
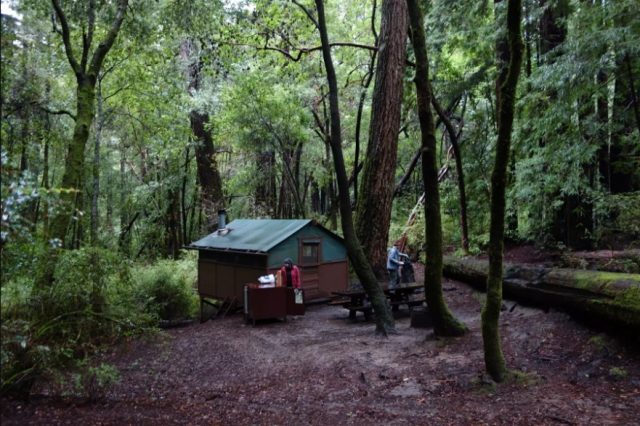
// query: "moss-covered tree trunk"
[[95, 192], [444, 322], [506, 89], [86, 71], [73, 177], [373, 214], [384, 318]]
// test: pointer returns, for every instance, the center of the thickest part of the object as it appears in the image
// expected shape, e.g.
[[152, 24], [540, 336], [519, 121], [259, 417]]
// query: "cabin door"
[[310, 262]]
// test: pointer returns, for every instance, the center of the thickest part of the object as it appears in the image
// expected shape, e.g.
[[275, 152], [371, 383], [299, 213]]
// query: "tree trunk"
[[363, 97], [623, 178], [373, 214], [453, 138], [632, 90], [172, 224], [96, 169], [72, 179], [602, 117], [265, 192], [603, 296], [572, 222], [384, 318], [208, 173], [124, 239], [506, 88], [86, 72], [553, 26], [45, 176], [183, 196], [290, 201], [444, 322]]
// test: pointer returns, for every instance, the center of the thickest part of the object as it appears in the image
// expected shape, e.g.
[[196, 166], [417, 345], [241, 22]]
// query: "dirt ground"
[[323, 369]]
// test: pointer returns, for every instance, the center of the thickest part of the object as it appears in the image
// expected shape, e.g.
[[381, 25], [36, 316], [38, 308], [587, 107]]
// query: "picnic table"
[[357, 300]]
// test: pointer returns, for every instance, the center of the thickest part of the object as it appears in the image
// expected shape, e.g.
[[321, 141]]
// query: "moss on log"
[[600, 296]]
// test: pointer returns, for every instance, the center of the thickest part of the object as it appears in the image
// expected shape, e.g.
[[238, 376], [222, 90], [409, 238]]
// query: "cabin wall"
[[224, 274], [332, 249], [331, 273]]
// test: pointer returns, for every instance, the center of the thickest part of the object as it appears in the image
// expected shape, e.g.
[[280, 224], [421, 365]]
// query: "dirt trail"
[[323, 369]]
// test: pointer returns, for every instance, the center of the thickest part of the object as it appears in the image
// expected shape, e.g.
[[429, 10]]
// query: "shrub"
[[91, 302], [166, 289], [21, 359], [93, 381]]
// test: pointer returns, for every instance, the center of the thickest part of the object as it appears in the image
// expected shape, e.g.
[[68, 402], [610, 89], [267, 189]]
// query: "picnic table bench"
[[357, 301]]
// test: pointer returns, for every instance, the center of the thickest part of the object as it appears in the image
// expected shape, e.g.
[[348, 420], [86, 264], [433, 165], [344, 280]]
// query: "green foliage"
[[22, 357], [94, 381], [415, 234], [166, 289], [91, 303], [620, 213], [91, 296], [600, 342], [523, 378], [618, 373]]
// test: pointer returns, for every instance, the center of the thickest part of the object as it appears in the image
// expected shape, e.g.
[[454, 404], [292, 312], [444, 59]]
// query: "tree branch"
[[104, 73], [308, 13], [307, 50], [373, 22], [54, 112], [87, 38], [116, 92], [66, 38], [104, 46], [443, 117]]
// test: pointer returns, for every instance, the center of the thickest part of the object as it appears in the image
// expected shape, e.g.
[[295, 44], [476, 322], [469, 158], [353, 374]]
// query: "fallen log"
[[633, 254], [600, 296], [604, 260]]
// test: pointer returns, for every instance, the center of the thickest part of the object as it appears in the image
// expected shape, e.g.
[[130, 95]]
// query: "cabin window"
[[310, 252]]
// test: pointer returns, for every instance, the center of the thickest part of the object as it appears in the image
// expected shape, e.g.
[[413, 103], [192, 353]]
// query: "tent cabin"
[[243, 250]]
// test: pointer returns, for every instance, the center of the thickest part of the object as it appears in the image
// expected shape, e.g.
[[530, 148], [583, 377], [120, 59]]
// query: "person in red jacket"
[[290, 274]]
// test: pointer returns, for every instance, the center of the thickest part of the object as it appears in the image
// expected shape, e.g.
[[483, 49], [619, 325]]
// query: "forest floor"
[[323, 369]]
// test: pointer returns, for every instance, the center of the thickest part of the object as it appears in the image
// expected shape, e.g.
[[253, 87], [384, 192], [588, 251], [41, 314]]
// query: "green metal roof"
[[259, 235]]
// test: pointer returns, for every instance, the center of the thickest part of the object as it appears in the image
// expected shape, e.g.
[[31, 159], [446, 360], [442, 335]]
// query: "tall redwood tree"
[[373, 214]]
